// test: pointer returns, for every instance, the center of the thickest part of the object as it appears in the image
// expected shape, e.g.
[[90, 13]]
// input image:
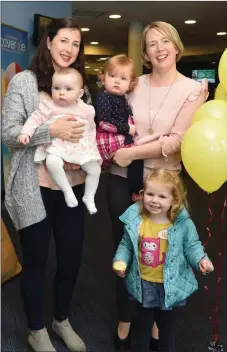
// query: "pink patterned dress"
[[78, 153]]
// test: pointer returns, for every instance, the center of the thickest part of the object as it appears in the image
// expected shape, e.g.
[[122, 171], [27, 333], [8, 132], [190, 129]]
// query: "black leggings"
[[143, 324], [67, 225], [119, 199]]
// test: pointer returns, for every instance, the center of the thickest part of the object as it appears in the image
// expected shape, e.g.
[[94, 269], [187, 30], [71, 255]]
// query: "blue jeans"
[[67, 226]]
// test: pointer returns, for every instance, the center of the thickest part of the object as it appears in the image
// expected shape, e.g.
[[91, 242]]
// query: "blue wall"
[[20, 14]]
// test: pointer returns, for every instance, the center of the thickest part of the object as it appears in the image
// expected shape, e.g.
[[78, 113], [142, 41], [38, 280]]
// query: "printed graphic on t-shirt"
[[150, 252]]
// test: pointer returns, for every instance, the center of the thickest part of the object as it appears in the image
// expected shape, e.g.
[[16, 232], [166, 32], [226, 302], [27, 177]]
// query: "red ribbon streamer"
[[219, 268]]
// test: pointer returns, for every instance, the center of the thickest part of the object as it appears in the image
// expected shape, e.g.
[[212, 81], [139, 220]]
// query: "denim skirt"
[[154, 296]]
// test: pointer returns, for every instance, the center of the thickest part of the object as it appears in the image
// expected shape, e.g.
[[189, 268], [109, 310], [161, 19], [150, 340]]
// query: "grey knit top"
[[22, 195]]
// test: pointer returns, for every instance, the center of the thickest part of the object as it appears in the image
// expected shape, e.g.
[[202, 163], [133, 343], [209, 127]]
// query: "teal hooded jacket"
[[184, 250]]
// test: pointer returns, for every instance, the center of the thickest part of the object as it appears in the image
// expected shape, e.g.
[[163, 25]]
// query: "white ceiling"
[[211, 17]]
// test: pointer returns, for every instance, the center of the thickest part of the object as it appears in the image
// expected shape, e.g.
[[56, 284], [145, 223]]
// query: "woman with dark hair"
[[34, 202]]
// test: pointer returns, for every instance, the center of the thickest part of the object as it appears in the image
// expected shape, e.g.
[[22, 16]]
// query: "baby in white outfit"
[[66, 93]]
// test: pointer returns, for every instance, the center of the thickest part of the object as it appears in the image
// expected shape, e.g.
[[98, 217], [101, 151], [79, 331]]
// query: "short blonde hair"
[[170, 32], [67, 71], [172, 179], [123, 61]]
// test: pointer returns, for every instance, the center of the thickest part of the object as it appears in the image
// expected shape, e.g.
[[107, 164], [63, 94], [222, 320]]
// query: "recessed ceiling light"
[[115, 16], [85, 29], [221, 33], [102, 59], [96, 69], [94, 43], [87, 67], [190, 21]]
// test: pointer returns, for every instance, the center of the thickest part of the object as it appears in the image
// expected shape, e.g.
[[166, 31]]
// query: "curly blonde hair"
[[173, 180]]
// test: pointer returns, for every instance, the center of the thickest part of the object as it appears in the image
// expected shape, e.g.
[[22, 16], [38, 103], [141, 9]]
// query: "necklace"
[[150, 130]]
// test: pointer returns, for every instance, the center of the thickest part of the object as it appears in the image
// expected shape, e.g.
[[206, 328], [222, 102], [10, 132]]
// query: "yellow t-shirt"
[[153, 245]]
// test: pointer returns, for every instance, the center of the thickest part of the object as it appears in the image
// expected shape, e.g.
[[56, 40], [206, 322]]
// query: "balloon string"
[[212, 197], [219, 269]]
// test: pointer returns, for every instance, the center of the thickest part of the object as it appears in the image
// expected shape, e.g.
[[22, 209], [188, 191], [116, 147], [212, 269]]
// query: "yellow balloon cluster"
[[220, 93], [222, 70], [212, 109], [204, 147], [204, 153]]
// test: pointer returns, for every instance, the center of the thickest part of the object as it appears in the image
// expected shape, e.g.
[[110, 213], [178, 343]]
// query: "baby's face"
[[66, 89], [118, 81]]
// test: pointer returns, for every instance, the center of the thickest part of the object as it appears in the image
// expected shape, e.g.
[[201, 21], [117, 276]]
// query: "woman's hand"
[[67, 128], [71, 167], [204, 89], [122, 157], [132, 130]]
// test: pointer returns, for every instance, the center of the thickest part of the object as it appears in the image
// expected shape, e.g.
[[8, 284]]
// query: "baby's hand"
[[23, 138], [119, 268], [132, 130], [206, 266]]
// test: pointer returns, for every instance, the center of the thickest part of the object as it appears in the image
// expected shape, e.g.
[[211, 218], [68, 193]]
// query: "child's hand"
[[23, 138], [206, 266], [132, 130], [119, 268]]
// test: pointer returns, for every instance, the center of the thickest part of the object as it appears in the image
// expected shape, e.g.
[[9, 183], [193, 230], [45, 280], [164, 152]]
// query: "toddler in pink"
[[66, 93]]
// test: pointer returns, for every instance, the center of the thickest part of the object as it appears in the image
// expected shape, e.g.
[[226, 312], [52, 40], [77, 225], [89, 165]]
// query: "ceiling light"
[[96, 69], [190, 21], [221, 33], [213, 62], [87, 67], [102, 59], [94, 43], [115, 16], [85, 29]]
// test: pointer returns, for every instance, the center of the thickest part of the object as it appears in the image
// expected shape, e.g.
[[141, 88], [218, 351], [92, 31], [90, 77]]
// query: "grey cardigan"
[[23, 199]]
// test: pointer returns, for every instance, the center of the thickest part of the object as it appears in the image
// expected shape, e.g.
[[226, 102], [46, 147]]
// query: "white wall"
[[20, 14]]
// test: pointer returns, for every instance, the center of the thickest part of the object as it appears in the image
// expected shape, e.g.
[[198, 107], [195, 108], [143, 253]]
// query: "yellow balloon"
[[220, 93], [212, 109], [222, 70], [204, 153]]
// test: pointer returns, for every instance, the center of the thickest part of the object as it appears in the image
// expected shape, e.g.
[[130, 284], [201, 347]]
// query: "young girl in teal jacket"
[[159, 246]]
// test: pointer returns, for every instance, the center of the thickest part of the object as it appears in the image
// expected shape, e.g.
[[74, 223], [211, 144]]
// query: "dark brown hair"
[[42, 63]]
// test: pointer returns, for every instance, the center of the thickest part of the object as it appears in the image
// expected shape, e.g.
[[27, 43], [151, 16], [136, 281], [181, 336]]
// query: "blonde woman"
[[163, 104]]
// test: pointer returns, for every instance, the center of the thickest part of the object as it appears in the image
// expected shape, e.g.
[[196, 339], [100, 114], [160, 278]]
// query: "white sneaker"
[[39, 340], [68, 335]]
